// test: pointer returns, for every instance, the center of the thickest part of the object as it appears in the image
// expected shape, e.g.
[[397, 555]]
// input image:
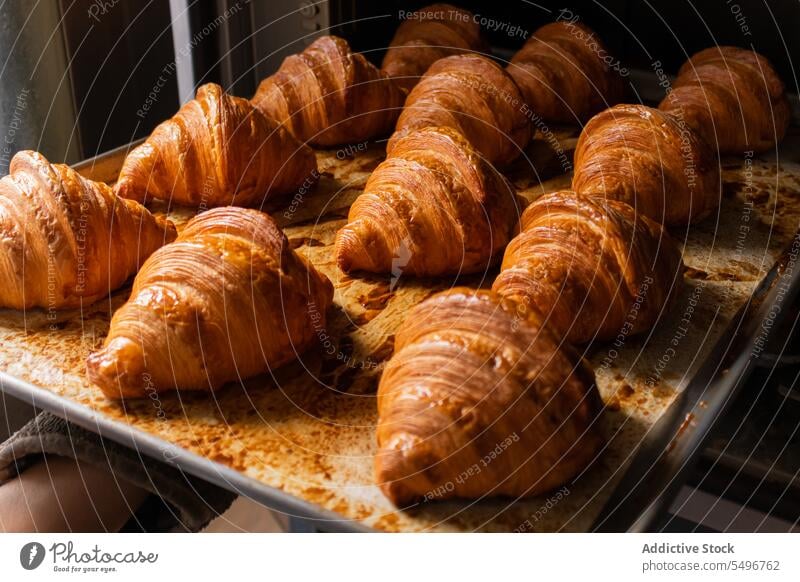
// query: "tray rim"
[[687, 423], [192, 463]]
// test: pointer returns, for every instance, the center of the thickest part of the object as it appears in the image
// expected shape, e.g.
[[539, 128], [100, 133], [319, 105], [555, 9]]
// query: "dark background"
[[638, 31], [114, 62]]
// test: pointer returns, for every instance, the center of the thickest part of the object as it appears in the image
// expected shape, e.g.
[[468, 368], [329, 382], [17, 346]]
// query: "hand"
[[64, 495]]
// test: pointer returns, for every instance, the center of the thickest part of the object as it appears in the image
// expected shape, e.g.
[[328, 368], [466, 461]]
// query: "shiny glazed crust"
[[650, 160], [67, 241], [562, 76], [475, 382], [433, 207], [475, 96], [227, 300], [328, 95], [217, 150], [432, 33], [733, 98], [592, 267]]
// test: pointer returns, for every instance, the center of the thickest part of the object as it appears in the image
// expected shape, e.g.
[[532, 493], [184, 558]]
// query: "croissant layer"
[[429, 34], [481, 399], [217, 150], [733, 98], [227, 300], [328, 95], [591, 266], [475, 96], [563, 74], [433, 207], [649, 160], [66, 240]]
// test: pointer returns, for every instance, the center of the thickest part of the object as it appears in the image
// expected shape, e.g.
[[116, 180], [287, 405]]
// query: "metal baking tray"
[[302, 441]]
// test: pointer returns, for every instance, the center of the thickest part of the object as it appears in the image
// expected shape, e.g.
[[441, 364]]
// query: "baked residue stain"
[[377, 297], [687, 422], [344, 372], [387, 522], [701, 275], [374, 302], [623, 395], [693, 273], [726, 276], [301, 241], [759, 196], [365, 317]]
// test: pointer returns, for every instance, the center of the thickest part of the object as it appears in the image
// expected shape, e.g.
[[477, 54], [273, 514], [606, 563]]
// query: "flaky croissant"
[[217, 150], [427, 35], [563, 73], [732, 97], [650, 160], [433, 207], [328, 95], [227, 300], [592, 267], [481, 399], [474, 95], [66, 241]]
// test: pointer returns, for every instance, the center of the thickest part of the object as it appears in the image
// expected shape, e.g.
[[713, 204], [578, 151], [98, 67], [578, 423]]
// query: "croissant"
[[433, 207], [474, 95], [593, 267], [66, 240], [227, 300], [327, 95], [427, 35], [732, 97], [563, 73], [481, 399], [650, 160], [217, 150]]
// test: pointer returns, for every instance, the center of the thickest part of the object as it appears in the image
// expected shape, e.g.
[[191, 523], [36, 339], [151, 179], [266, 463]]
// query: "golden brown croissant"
[[650, 160], [430, 34], [228, 299], [732, 97], [66, 240], [592, 267], [433, 207], [563, 74], [217, 150], [474, 95], [328, 95], [480, 399]]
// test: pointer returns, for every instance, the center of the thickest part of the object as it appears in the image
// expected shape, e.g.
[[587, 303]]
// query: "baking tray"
[[302, 440]]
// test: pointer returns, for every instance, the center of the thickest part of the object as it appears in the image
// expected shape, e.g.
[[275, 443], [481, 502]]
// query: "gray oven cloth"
[[178, 502]]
